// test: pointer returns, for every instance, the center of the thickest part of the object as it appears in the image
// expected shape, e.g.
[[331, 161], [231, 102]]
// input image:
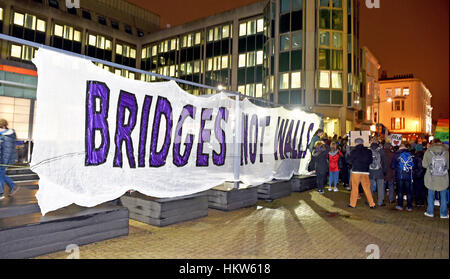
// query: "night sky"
[[406, 36]]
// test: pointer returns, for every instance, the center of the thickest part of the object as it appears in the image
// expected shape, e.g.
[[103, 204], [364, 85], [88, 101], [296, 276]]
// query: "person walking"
[[403, 165], [436, 161], [335, 160], [320, 165], [376, 172], [8, 156], [360, 159], [390, 174], [419, 176]]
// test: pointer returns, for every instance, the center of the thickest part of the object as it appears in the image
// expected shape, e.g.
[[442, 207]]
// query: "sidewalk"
[[302, 226]]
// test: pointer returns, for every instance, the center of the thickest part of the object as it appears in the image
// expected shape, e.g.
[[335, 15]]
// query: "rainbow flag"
[[442, 130]]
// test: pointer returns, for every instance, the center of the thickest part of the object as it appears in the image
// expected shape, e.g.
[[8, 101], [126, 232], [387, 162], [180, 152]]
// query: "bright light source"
[[220, 87], [389, 100], [373, 128]]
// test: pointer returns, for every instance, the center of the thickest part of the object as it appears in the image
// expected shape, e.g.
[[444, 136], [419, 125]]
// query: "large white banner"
[[98, 135]]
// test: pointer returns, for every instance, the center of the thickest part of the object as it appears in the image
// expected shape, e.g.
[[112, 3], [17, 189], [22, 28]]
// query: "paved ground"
[[303, 225]]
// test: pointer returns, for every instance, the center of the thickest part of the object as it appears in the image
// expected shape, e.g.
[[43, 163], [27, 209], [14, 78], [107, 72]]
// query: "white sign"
[[396, 139], [99, 135]]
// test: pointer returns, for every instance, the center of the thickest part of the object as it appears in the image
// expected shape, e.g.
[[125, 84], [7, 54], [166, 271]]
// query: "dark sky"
[[407, 36]]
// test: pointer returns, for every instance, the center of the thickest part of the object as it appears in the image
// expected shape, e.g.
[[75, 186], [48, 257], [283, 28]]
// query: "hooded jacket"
[[320, 161], [8, 152], [436, 183]]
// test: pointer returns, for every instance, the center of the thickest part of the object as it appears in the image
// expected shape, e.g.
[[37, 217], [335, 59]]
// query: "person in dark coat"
[[419, 176], [316, 137], [320, 165], [402, 163], [377, 170], [389, 177], [360, 159], [8, 156]]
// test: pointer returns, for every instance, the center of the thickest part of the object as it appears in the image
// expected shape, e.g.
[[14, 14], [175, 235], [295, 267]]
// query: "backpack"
[[376, 160], [438, 166], [406, 163]]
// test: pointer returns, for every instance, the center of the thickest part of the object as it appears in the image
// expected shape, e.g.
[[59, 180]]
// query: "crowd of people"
[[417, 172]]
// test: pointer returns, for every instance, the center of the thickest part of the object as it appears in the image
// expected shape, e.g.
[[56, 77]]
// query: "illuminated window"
[[154, 50], [251, 27], [336, 80], [259, 89], [16, 51], [324, 79], [224, 62], [18, 18], [250, 59], [242, 60], [198, 38], [209, 64], [284, 81], [40, 25], [296, 80], [324, 38], [241, 89], [68, 32], [58, 30], [260, 25], [398, 92], [242, 29], [211, 35], [1, 13], [388, 92], [337, 40], [406, 91], [259, 57]]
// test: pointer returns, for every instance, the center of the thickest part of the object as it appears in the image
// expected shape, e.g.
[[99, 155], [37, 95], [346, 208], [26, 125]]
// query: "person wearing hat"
[[360, 159], [419, 175]]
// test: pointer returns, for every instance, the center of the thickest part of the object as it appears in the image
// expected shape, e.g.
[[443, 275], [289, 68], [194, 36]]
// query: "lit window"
[[198, 38], [58, 30], [324, 38], [259, 57], [119, 49], [154, 50], [189, 68], [296, 80], [250, 59], [242, 29], [241, 60], [27, 53], [260, 25], [211, 35], [225, 31], [324, 79], [18, 19], [183, 68], [40, 25], [336, 80], [77, 36], [216, 65], [30, 21], [250, 89], [224, 62], [337, 40], [144, 53], [108, 44], [241, 89], [196, 66], [68, 32], [209, 64], [398, 92], [406, 91], [16, 51], [172, 70], [1, 13], [92, 40], [251, 27], [131, 75], [259, 89], [173, 44], [216, 34], [101, 42], [133, 53], [388, 92], [284, 81]]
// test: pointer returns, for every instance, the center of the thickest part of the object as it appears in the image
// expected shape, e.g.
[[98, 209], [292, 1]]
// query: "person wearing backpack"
[[335, 161], [390, 173], [376, 172], [8, 156], [436, 161], [419, 175], [403, 164]]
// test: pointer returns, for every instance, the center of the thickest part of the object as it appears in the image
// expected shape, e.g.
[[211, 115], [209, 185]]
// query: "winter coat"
[[8, 152], [390, 173], [320, 161], [419, 170], [378, 174], [399, 174], [314, 139], [436, 183], [335, 160], [360, 159]]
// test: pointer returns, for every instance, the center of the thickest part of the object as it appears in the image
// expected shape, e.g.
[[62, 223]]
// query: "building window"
[[128, 29], [115, 24], [102, 20], [99, 47], [406, 91], [398, 92], [72, 11], [397, 123], [388, 92], [21, 52], [86, 14], [66, 37], [53, 4], [28, 27], [398, 105]]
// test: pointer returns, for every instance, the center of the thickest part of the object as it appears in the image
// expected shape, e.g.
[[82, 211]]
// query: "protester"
[[390, 174], [376, 171], [345, 149], [335, 164], [317, 136], [320, 165], [8, 156], [360, 159], [419, 175], [403, 165], [436, 161]]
